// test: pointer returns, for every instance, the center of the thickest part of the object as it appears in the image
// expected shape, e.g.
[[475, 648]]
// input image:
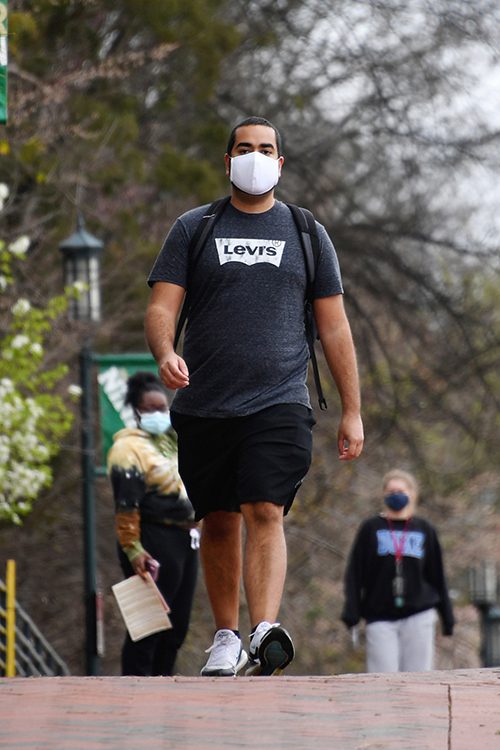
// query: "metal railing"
[[24, 652]]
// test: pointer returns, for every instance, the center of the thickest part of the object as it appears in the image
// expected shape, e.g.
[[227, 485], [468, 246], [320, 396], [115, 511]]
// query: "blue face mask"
[[397, 500], [155, 422]]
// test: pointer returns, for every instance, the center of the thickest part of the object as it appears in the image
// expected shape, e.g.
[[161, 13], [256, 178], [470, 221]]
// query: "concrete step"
[[441, 710]]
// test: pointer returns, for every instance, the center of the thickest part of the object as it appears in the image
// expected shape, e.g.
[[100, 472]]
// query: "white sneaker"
[[226, 655], [271, 649]]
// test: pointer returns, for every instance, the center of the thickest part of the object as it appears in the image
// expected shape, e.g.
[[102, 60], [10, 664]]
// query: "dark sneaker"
[[226, 655], [271, 650]]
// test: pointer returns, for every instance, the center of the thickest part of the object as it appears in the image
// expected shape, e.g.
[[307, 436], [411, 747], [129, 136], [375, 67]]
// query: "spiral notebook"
[[143, 608]]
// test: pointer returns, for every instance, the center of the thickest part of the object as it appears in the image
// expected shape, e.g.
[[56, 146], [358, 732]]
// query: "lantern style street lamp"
[[81, 258], [81, 264]]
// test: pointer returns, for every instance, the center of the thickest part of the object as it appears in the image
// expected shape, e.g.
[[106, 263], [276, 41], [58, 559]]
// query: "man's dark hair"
[[253, 121], [140, 383]]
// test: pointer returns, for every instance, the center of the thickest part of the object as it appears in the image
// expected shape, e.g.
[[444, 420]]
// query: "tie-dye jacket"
[[146, 485]]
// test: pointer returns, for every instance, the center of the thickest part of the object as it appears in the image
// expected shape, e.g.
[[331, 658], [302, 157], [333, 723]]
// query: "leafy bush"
[[34, 416]]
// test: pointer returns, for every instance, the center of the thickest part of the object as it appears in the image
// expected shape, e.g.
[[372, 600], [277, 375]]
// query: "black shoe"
[[271, 650]]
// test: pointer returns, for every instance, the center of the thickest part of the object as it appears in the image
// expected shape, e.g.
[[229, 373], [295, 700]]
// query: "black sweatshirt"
[[371, 569]]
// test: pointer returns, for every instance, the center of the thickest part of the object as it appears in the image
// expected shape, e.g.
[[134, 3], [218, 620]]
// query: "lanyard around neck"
[[399, 547]]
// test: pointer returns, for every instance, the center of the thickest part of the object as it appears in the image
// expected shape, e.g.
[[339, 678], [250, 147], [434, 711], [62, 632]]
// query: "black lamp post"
[[484, 587], [81, 259]]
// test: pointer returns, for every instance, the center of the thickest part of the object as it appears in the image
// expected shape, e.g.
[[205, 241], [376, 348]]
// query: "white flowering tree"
[[34, 418]]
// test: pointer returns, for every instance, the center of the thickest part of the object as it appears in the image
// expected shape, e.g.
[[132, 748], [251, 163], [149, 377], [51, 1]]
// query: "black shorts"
[[225, 463]]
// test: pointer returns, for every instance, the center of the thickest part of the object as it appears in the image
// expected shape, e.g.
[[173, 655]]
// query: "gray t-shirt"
[[245, 343]]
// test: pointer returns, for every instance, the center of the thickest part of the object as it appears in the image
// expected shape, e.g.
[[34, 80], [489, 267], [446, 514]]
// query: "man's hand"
[[160, 322], [350, 437], [338, 346], [174, 372]]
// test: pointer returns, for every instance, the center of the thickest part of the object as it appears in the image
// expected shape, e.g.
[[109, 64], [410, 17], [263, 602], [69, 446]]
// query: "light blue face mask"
[[155, 422]]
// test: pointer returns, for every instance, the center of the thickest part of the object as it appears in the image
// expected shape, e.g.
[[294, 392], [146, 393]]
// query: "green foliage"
[[181, 174], [34, 416], [31, 152], [23, 31]]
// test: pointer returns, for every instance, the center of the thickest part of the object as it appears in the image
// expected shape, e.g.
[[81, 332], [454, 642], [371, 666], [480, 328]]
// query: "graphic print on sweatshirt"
[[249, 251], [413, 544]]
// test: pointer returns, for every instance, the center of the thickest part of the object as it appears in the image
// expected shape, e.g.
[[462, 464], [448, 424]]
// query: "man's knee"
[[262, 514], [220, 525]]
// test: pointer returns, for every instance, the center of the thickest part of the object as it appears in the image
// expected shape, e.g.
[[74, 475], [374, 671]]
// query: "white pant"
[[405, 645]]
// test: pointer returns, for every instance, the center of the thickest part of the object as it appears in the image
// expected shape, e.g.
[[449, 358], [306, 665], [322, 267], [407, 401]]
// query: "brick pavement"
[[442, 710]]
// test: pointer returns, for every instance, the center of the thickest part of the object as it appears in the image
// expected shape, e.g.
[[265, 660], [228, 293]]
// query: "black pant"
[[171, 546]]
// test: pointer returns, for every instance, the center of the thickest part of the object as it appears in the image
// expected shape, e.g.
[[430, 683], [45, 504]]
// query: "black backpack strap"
[[306, 227], [196, 245]]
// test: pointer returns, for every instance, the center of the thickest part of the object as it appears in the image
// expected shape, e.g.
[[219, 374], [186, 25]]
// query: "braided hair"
[[140, 383]]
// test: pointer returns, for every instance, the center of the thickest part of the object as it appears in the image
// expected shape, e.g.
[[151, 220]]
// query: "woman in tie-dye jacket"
[[154, 521]]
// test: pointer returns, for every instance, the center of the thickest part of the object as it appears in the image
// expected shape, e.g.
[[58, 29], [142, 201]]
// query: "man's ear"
[[227, 160], [281, 160]]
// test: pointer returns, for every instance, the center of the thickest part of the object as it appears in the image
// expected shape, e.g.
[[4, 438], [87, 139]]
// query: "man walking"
[[242, 410]]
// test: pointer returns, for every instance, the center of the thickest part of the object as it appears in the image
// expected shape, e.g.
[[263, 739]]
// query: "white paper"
[[143, 608]]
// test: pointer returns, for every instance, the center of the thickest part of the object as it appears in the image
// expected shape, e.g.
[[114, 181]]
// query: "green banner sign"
[[114, 371], [3, 61]]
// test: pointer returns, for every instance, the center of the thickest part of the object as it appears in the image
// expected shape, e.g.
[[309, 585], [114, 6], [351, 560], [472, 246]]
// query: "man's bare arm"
[[336, 339], [159, 325]]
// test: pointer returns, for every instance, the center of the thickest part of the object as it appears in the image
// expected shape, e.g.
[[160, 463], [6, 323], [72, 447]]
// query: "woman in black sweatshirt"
[[395, 581]]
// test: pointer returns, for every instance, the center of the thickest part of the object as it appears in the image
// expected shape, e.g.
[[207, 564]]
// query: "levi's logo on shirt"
[[249, 251]]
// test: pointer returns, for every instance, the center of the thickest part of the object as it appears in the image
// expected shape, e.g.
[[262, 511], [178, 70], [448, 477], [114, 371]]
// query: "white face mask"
[[254, 173]]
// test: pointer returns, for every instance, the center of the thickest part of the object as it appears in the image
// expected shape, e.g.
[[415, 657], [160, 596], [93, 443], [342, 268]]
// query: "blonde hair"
[[408, 478]]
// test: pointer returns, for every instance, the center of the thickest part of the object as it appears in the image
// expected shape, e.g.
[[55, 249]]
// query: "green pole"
[[3, 60], [88, 511]]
